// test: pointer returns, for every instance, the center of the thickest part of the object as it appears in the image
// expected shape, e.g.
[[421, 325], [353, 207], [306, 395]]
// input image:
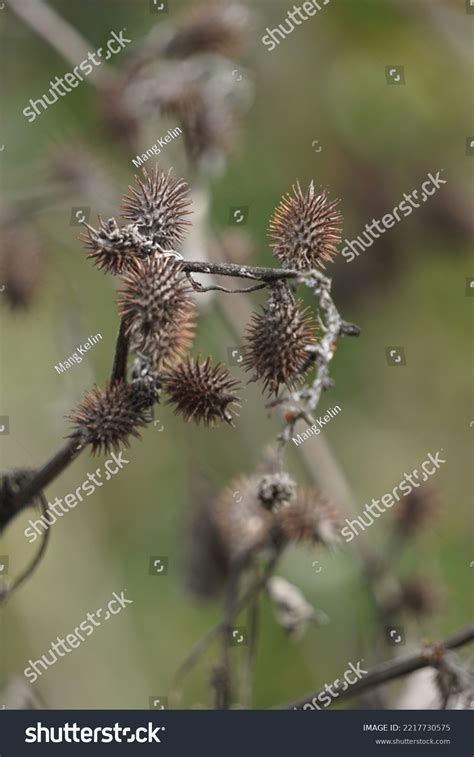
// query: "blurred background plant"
[[318, 107]]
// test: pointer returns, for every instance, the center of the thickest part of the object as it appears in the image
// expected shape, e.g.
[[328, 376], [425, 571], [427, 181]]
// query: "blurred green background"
[[325, 82]]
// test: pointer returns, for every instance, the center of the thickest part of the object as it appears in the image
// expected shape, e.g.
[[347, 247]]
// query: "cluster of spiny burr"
[[256, 516], [155, 302], [272, 510]]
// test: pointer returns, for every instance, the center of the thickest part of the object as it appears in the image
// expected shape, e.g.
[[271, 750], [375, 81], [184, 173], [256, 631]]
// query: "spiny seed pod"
[[201, 392], [159, 207], [275, 490], [215, 28], [116, 249], [306, 229], [415, 510], [243, 525], [105, 419], [276, 342], [156, 307], [309, 518]]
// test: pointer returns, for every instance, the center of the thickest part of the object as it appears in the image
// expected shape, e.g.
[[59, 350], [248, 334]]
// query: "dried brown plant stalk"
[[431, 655]]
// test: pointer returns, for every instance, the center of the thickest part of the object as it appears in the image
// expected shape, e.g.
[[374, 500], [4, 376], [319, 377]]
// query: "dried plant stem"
[[250, 653], [119, 368], [42, 477], [322, 464], [223, 700], [202, 645], [258, 273], [46, 474], [307, 399], [4, 594], [60, 35], [430, 656], [199, 288]]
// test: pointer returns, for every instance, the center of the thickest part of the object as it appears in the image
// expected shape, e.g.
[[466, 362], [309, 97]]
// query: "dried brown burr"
[[201, 392], [155, 305], [306, 229], [106, 419], [277, 341]]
